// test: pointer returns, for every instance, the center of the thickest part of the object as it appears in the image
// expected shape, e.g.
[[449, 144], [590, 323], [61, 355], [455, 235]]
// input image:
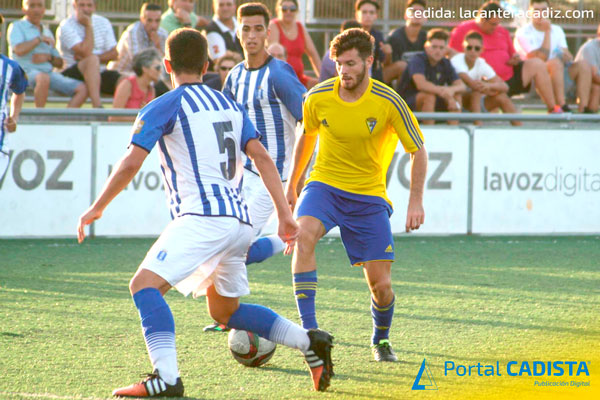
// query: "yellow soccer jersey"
[[357, 140]]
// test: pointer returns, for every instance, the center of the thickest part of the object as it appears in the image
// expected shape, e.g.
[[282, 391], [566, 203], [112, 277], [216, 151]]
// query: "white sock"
[[289, 334], [278, 244], [163, 355]]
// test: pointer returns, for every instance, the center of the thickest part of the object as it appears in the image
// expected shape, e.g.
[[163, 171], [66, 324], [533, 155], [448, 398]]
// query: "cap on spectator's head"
[[437, 33], [179, 42], [359, 3], [355, 38], [411, 3], [252, 9], [349, 24]]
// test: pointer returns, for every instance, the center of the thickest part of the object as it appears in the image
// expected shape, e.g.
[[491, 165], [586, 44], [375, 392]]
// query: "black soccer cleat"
[[318, 358], [382, 351], [151, 386], [216, 327]]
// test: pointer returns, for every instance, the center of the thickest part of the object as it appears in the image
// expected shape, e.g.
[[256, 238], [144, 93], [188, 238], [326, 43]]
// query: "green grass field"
[[69, 329]]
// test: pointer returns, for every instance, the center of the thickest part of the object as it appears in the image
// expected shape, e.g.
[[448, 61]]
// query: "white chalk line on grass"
[[48, 396]]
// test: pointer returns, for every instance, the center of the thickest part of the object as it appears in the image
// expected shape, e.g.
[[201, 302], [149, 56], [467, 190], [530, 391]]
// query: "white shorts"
[[259, 201], [194, 252]]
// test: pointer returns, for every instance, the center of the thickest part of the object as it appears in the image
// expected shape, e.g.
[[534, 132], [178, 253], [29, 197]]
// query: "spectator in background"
[[292, 35], [406, 40], [221, 31], [277, 51], [540, 39], [32, 46], [137, 90], [222, 67], [429, 82], [87, 42], [13, 79], [181, 15], [500, 54], [484, 87], [366, 15], [590, 52], [328, 69]]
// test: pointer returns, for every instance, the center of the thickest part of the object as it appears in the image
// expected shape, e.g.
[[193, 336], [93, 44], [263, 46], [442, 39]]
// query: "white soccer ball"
[[250, 349]]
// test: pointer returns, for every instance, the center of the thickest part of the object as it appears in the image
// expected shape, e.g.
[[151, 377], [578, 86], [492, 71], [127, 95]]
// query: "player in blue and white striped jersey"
[[201, 135], [12, 79], [270, 91]]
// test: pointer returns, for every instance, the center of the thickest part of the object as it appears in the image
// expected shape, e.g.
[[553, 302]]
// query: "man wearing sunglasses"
[[590, 52], [221, 32]]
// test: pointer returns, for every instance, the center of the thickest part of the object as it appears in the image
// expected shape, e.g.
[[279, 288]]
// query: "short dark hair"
[[280, 2], [186, 49], [349, 24], [149, 7], [532, 2], [491, 8], [251, 9], [144, 59], [359, 3], [474, 35], [437, 33], [354, 38], [411, 3]]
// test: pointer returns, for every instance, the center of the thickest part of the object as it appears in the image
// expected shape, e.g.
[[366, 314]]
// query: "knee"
[[307, 241], [81, 89], [555, 65], [90, 62], [382, 291], [42, 79], [221, 315]]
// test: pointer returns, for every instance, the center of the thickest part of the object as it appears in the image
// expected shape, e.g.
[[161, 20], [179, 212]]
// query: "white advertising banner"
[[47, 181], [534, 181], [139, 210], [446, 187]]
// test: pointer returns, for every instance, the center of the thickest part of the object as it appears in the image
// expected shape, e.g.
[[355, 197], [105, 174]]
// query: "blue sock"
[[382, 320], [264, 248], [305, 290], [159, 332], [270, 325]]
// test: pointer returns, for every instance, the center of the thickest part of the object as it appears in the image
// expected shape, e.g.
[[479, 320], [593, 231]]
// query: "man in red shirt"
[[500, 54]]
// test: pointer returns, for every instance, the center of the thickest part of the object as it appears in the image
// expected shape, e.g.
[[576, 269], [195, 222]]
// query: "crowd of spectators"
[[476, 67]]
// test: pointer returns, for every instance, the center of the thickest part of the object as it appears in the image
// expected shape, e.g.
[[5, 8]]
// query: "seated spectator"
[[547, 42], [181, 15], [429, 82], [137, 90], [406, 40], [277, 51], [222, 67], [87, 42], [500, 54], [32, 46], [366, 15], [221, 31], [293, 36], [590, 52], [328, 69], [484, 87]]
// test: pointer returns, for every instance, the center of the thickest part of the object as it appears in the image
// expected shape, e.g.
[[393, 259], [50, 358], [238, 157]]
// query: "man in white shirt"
[[546, 41], [485, 89], [590, 52], [87, 42], [221, 32]]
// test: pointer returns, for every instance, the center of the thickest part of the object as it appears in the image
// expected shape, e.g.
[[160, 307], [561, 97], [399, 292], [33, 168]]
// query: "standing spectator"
[[277, 51], [366, 15], [296, 40], [500, 54], [221, 31], [222, 67], [181, 15], [407, 40], [547, 42], [484, 87], [32, 46], [429, 82], [137, 90], [13, 79], [87, 42], [590, 52], [328, 69]]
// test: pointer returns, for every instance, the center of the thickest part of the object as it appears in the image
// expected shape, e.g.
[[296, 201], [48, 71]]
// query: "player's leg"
[[556, 69], [580, 72]]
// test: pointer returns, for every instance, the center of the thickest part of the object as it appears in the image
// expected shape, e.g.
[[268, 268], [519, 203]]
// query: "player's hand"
[[567, 57], [478, 86], [183, 16], [10, 124], [85, 219], [514, 60], [292, 196], [288, 231], [83, 19], [415, 216]]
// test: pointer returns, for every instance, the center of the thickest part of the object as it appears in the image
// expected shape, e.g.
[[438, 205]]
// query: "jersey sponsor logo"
[[371, 122], [324, 123], [161, 255], [389, 249]]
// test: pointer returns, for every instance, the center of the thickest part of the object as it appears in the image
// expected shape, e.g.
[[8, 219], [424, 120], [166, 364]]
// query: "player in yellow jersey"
[[358, 122]]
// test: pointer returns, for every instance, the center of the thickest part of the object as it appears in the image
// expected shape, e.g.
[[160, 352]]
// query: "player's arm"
[[288, 229], [120, 177], [415, 216], [305, 146], [16, 103]]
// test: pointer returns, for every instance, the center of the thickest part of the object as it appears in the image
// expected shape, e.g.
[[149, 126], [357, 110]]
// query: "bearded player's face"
[[352, 69]]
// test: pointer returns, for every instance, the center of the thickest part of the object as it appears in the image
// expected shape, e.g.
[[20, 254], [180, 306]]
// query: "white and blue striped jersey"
[[201, 135], [272, 95], [12, 79]]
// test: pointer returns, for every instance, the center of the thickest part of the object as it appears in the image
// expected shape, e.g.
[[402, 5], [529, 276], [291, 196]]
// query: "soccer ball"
[[250, 349]]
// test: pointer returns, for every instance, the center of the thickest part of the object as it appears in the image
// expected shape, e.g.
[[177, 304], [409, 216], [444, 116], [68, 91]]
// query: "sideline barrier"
[[479, 181]]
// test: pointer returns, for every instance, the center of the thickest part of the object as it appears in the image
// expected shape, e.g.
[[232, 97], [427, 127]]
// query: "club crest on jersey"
[[137, 127], [371, 122], [325, 124]]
